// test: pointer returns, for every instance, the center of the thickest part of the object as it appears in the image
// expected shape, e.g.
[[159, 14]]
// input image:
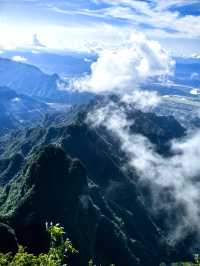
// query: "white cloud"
[[76, 37], [143, 100], [158, 16], [100, 27], [79, 26], [14, 36], [123, 69], [19, 58], [196, 56], [156, 21]]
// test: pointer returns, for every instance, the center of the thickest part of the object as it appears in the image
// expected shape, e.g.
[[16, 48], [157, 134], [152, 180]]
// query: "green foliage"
[[57, 255], [196, 262], [91, 263]]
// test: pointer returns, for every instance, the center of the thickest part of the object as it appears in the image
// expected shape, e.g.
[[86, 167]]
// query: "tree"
[[58, 253]]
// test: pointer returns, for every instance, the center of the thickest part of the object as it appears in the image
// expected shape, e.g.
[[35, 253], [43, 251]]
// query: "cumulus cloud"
[[122, 70], [19, 58]]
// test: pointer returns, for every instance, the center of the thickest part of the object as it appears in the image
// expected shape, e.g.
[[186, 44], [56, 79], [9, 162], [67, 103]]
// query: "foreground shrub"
[[60, 249]]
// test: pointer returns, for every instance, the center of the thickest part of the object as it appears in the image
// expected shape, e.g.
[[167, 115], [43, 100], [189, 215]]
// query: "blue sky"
[[83, 25]]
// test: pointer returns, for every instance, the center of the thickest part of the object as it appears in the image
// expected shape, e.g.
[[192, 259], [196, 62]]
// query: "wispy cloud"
[[157, 14], [173, 19]]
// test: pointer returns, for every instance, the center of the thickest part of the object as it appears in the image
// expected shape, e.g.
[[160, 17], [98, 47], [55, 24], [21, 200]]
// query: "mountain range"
[[55, 167], [27, 93], [18, 110], [67, 172], [30, 80]]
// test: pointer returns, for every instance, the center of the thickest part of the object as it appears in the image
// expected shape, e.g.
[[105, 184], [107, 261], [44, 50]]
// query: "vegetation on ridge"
[[57, 255]]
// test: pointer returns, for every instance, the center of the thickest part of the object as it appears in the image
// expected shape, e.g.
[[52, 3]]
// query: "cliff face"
[[55, 188]]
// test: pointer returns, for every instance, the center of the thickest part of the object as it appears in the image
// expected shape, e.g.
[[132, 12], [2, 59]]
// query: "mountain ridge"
[[30, 80], [111, 214]]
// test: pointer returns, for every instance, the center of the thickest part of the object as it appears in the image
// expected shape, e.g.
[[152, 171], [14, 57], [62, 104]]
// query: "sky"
[[90, 25]]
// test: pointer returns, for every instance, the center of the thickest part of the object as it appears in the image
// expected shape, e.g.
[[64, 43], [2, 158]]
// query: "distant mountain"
[[18, 110], [31, 81], [68, 64]]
